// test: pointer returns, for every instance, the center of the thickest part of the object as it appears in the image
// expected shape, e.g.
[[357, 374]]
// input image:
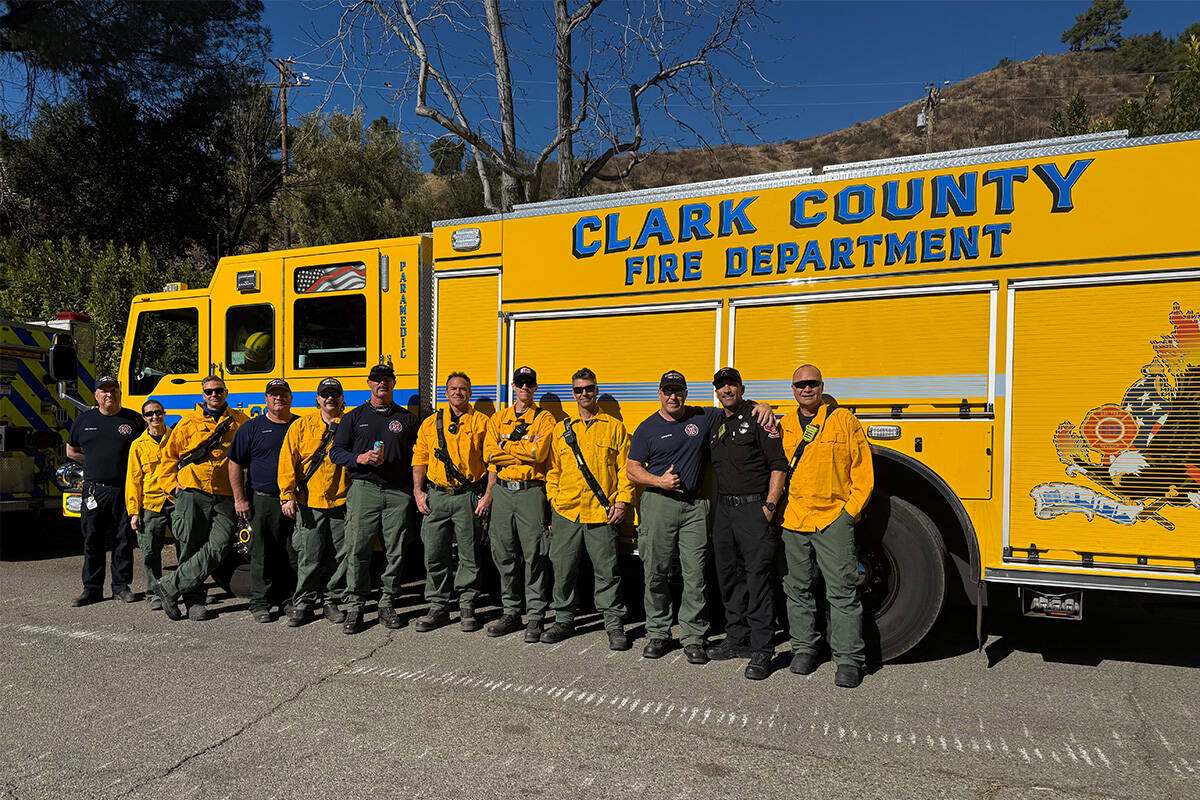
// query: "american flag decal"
[[333, 278]]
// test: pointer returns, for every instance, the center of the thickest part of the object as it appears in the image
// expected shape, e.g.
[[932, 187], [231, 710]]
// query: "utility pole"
[[933, 95], [287, 80]]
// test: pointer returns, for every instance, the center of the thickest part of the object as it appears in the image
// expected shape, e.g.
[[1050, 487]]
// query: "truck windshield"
[[166, 343]]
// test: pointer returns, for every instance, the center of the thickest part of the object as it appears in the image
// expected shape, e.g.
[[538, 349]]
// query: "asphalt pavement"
[[116, 701]]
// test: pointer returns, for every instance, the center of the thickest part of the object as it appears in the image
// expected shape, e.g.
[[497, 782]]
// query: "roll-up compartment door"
[[1104, 425], [629, 351], [468, 333]]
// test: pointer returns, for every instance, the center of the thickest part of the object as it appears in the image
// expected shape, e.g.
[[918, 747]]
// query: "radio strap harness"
[[203, 451], [573, 442]]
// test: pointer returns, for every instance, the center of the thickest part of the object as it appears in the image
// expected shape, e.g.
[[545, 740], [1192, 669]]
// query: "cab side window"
[[166, 343], [331, 332], [250, 339]]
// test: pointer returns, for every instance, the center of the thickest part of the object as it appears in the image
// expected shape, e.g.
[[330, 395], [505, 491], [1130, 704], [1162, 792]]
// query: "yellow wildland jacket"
[[525, 459], [604, 445], [465, 448], [142, 489], [328, 485], [210, 475], [835, 473]]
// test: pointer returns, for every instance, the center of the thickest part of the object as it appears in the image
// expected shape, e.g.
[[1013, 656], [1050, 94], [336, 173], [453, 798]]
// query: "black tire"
[[903, 577]]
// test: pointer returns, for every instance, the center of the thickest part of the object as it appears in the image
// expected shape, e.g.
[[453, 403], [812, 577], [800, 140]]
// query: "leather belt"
[[450, 490], [689, 497], [742, 499], [517, 486]]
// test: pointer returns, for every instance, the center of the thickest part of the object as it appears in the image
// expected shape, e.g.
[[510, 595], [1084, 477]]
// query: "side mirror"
[[64, 365]]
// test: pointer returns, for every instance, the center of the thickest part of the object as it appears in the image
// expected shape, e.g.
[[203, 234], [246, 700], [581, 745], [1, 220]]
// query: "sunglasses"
[[723, 384], [578, 390], [328, 394], [150, 414], [806, 384], [524, 383], [217, 390], [673, 392]]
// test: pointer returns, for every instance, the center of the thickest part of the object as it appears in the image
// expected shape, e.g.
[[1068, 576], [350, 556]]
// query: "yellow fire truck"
[[34, 417], [1016, 327]]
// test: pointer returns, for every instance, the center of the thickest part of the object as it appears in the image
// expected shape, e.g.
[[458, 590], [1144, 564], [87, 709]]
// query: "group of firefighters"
[[315, 492]]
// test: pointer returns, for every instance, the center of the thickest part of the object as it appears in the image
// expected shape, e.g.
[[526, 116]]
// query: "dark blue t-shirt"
[[659, 442], [257, 443], [105, 441]]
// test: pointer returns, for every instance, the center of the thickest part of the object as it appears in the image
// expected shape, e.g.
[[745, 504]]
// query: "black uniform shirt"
[[357, 433], [257, 443], [744, 453], [659, 442], [105, 441]]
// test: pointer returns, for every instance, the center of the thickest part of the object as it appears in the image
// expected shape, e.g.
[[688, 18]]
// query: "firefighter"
[[831, 480], [100, 439], [374, 442], [517, 449], [589, 502], [312, 491], [453, 489], [194, 470], [667, 455], [254, 459], [749, 467], [147, 504]]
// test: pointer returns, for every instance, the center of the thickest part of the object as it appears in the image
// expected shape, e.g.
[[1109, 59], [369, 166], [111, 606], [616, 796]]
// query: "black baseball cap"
[[381, 371], [105, 380], [524, 374], [278, 384], [672, 379], [727, 375], [330, 387]]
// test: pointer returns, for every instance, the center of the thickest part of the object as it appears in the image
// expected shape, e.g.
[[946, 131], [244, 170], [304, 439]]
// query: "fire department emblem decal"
[[395, 426], [1143, 454], [690, 429], [125, 429]]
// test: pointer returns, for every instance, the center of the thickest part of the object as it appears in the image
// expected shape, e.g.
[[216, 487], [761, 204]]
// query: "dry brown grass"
[[1009, 103]]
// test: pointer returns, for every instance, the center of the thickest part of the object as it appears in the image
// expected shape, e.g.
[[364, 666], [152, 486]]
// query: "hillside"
[[1010, 103]]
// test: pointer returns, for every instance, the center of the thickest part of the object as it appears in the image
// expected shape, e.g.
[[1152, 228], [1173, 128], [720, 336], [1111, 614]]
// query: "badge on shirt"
[[691, 429], [125, 429], [395, 426]]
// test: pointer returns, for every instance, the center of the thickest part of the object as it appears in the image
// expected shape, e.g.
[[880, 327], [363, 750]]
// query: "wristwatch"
[[769, 507]]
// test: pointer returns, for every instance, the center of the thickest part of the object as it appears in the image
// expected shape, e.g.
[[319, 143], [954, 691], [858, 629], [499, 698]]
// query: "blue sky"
[[831, 63]]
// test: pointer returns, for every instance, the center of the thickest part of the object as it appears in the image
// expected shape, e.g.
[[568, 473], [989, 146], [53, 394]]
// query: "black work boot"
[[729, 648], [848, 676], [803, 663], [436, 618], [617, 640], [353, 623], [169, 606], [533, 631], [297, 616], [470, 623], [656, 648], [333, 613], [759, 666], [389, 618], [558, 632], [508, 623], [695, 654], [87, 598]]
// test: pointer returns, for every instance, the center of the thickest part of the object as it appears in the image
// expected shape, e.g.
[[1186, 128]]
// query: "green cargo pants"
[[373, 510], [832, 551], [320, 544], [272, 558], [567, 541], [451, 519], [518, 529], [151, 538], [667, 524], [203, 524]]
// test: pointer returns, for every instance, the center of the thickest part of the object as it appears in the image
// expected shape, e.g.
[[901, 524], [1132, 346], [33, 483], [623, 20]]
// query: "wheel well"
[[903, 476]]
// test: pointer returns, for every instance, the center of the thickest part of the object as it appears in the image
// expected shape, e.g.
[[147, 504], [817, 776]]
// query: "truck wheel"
[[902, 575]]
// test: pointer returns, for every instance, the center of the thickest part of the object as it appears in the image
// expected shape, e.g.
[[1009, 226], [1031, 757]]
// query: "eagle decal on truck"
[[1143, 453]]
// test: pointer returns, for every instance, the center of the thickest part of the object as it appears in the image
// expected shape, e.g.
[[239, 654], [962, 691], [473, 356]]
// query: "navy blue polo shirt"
[[257, 445], [105, 440], [659, 442]]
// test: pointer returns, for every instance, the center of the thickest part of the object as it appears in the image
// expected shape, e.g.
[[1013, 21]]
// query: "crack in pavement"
[[296, 695]]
